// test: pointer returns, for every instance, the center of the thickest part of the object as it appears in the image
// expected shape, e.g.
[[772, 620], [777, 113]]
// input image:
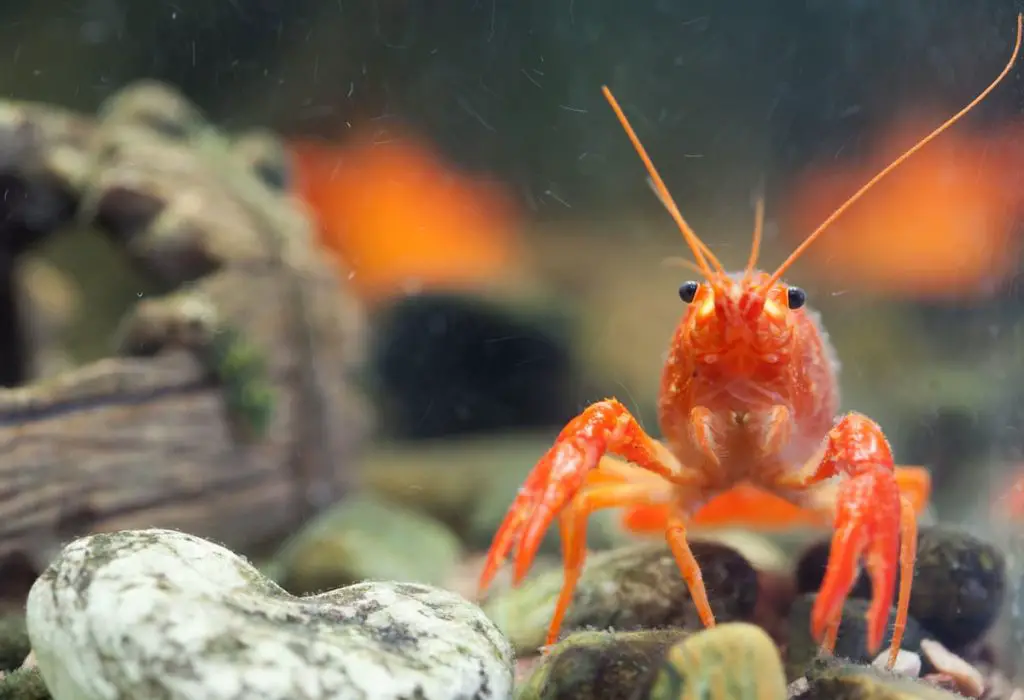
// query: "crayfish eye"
[[688, 291], [796, 297]]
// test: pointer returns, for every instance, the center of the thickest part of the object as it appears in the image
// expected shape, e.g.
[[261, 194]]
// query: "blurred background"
[[499, 227]]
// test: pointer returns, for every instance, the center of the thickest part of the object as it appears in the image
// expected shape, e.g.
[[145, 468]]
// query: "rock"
[[445, 363], [152, 104], [966, 679], [774, 566], [852, 640], [162, 614], [907, 662], [630, 588], [761, 551], [735, 660], [23, 684], [959, 584], [599, 665], [834, 680], [14, 644], [267, 157], [367, 538]]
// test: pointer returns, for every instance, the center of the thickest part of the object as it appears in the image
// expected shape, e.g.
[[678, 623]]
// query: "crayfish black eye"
[[796, 297], [688, 291]]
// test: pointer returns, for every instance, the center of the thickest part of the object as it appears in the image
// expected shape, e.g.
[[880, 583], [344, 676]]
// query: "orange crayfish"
[[749, 398]]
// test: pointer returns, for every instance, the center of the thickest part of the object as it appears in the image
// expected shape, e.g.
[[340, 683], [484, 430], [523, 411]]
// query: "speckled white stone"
[[151, 614]]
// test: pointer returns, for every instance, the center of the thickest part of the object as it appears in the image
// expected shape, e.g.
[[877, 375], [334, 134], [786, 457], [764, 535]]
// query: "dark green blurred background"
[[754, 88]]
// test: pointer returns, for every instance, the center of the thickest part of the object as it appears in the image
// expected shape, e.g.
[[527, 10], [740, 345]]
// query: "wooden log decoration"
[[230, 411]]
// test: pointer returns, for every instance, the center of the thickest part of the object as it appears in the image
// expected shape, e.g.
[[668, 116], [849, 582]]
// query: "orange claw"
[[558, 485], [871, 520]]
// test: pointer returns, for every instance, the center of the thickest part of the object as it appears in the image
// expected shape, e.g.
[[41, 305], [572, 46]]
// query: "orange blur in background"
[[402, 218], [945, 224]]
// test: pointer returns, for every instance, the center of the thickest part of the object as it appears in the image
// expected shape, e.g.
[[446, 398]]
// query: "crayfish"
[[749, 399]]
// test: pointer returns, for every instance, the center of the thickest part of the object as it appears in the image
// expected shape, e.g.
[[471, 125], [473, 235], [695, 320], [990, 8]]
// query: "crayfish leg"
[[573, 529], [908, 555], [675, 535], [915, 485]]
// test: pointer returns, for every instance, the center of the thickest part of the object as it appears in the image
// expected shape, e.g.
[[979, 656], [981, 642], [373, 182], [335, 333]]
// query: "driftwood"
[[230, 413]]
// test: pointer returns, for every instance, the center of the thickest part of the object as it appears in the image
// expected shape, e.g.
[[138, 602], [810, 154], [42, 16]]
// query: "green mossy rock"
[[846, 681], [599, 665], [14, 643], [366, 538], [630, 588], [23, 684], [732, 661], [851, 644]]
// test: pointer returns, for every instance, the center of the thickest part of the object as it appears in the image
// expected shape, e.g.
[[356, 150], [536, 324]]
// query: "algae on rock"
[[629, 588], [840, 680], [802, 650], [731, 661], [14, 644], [597, 665], [24, 684]]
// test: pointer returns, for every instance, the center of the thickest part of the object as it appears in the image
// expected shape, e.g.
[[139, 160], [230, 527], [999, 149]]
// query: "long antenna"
[[892, 166], [755, 247], [692, 239]]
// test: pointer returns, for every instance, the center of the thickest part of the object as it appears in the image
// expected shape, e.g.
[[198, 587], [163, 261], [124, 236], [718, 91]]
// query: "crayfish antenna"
[[700, 250], [755, 247], [670, 205], [894, 164]]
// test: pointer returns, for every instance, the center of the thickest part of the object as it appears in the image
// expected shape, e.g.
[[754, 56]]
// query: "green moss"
[[23, 684], [830, 680], [240, 367], [597, 665], [630, 588], [14, 642]]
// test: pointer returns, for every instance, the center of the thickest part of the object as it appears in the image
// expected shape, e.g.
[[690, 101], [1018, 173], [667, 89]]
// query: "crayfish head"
[[738, 322]]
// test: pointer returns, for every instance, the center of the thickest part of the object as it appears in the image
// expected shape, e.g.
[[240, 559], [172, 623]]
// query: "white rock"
[[907, 662], [160, 614]]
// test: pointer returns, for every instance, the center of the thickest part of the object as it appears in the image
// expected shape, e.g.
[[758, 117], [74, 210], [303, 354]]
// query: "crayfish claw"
[[558, 487], [871, 520], [552, 483], [566, 464]]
